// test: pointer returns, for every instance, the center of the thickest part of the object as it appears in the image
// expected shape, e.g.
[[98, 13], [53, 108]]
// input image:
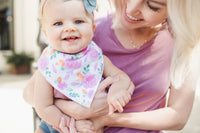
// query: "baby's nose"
[[70, 29]]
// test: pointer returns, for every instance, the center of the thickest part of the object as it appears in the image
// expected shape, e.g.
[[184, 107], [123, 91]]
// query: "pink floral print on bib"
[[75, 76]]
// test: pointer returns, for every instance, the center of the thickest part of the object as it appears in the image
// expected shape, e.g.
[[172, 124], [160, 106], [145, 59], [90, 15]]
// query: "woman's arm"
[[172, 117]]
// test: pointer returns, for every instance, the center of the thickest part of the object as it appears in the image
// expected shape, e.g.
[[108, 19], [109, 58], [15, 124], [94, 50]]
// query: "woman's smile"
[[132, 19]]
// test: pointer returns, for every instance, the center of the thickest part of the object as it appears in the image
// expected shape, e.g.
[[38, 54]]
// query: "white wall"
[[26, 26]]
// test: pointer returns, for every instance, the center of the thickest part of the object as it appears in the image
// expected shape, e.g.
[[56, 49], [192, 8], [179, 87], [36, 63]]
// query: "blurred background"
[[21, 43]]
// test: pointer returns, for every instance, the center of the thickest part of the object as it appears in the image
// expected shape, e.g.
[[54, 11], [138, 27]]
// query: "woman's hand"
[[99, 123], [63, 126], [85, 126]]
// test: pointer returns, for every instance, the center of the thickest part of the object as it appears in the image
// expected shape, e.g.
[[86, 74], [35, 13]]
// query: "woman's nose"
[[134, 6]]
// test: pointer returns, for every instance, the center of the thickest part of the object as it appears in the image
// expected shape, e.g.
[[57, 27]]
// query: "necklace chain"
[[135, 45]]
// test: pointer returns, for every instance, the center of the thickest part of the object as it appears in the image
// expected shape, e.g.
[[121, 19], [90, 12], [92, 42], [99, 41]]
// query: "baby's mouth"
[[71, 38]]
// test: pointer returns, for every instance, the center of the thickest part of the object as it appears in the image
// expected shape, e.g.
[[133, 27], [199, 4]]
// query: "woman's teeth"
[[132, 18]]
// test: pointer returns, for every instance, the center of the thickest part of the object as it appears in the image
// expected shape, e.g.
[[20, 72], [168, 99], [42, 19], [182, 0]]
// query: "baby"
[[72, 66]]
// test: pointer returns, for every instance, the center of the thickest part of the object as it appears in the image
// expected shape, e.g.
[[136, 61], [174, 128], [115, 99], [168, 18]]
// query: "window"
[[6, 25]]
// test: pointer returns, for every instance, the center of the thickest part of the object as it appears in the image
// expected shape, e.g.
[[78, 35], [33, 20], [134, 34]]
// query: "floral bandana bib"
[[75, 76]]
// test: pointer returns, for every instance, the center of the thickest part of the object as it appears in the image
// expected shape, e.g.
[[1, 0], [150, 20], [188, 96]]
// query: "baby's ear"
[[94, 27], [44, 31]]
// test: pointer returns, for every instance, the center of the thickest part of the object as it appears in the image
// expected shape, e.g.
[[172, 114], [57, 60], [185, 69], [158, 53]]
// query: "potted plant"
[[19, 62]]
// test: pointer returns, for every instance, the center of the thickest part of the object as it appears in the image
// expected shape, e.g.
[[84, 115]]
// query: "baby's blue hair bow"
[[90, 5]]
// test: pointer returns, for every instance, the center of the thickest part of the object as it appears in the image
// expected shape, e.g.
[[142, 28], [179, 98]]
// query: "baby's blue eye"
[[58, 23], [79, 21]]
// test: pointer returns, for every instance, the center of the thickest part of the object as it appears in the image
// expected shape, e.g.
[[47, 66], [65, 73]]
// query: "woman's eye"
[[152, 8], [58, 23], [79, 21]]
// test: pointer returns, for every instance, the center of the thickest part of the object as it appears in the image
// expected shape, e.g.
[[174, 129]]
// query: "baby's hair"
[[40, 14], [41, 11], [184, 18]]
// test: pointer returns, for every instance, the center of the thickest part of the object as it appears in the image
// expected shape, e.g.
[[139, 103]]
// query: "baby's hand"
[[118, 99], [117, 102], [85, 126]]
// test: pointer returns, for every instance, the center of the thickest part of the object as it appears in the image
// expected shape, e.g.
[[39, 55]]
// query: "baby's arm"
[[44, 102], [120, 92]]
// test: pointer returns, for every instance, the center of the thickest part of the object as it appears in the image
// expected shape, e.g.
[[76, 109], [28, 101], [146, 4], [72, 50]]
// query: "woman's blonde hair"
[[184, 19], [117, 7]]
